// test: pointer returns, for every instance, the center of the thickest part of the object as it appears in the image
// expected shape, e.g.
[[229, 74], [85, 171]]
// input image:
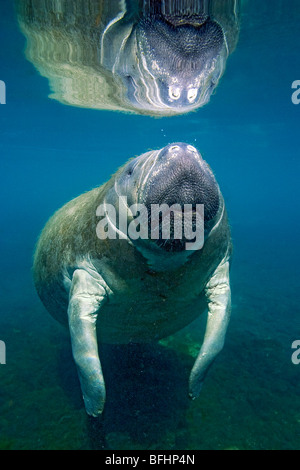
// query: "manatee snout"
[[185, 56], [174, 193], [181, 176], [180, 181]]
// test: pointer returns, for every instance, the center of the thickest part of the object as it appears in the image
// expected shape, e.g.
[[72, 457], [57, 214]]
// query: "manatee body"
[[125, 289], [150, 57]]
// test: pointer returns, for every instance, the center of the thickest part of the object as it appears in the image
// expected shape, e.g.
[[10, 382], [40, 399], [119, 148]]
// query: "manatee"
[[149, 57], [107, 285]]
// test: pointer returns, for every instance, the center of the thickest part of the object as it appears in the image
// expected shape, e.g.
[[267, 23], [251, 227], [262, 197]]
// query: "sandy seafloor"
[[51, 153]]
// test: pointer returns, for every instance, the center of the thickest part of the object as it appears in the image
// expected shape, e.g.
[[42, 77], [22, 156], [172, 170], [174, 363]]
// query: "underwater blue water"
[[249, 134]]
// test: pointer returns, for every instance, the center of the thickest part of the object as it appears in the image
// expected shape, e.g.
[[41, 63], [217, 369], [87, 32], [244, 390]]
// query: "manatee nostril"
[[174, 148], [192, 95], [184, 149], [174, 93], [192, 149]]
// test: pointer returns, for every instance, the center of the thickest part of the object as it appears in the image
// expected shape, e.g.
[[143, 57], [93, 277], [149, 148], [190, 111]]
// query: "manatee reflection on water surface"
[[157, 57]]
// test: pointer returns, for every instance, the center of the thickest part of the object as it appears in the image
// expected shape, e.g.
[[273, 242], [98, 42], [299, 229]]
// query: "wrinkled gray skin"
[[172, 58], [125, 290], [150, 57]]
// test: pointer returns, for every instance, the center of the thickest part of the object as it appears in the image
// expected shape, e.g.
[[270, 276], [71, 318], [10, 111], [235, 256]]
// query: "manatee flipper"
[[219, 305], [87, 295]]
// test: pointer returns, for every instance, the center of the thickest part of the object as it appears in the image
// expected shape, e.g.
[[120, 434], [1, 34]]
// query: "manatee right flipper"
[[87, 295]]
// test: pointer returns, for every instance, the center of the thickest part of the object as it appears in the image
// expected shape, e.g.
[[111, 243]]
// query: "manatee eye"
[[192, 94], [174, 93], [129, 171]]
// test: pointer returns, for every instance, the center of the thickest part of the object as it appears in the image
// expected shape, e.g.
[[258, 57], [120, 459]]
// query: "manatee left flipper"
[[218, 296], [87, 295]]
